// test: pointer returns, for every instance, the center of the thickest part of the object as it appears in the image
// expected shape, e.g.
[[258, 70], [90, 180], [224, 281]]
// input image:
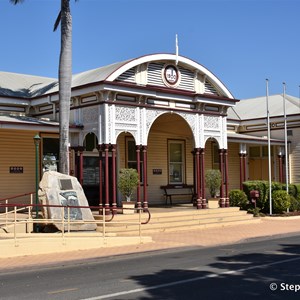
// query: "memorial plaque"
[[64, 192], [70, 199], [66, 184]]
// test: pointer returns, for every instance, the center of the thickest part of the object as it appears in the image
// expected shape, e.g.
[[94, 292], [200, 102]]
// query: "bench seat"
[[177, 190]]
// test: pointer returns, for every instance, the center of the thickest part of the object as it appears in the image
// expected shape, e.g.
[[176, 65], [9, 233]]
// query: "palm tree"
[[65, 81]]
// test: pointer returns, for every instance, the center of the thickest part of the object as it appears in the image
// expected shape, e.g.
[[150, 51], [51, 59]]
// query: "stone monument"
[[63, 190]]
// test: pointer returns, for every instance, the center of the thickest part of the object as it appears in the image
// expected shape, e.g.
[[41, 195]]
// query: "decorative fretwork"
[[211, 122], [125, 114], [89, 115], [151, 115], [191, 120]]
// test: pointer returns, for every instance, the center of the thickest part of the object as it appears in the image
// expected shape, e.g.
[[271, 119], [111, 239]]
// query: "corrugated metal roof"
[[256, 108], [246, 138], [27, 86], [24, 86], [96, 75], [23, 120]]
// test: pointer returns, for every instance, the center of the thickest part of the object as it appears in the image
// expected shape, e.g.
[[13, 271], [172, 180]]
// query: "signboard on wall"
[[157, 171], [15, 170]]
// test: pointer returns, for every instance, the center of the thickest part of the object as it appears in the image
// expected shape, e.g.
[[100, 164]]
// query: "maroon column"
[[226, 179], [79, 163], [114, 183], [202, 176], [198, 178], [280, 168], [138, 161], [221, 167], [145, 176], [99, 147], [241, 170], [106, 149], [244, 171], [81, 166]]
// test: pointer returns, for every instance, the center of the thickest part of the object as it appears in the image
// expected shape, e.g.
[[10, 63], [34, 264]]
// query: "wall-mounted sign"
[[156, 171], [15, 169]]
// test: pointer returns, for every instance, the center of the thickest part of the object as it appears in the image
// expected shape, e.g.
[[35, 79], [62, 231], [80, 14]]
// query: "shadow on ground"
[[243, 276]]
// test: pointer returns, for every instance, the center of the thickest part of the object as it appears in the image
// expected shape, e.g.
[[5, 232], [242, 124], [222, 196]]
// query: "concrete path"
[[202, 237]]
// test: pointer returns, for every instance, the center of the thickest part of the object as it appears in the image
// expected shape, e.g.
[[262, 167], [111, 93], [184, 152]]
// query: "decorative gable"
[[128, 76], [153, 74], [160, 70]]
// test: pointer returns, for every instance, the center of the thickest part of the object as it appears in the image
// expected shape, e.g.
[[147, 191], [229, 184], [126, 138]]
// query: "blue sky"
[[242, 42]]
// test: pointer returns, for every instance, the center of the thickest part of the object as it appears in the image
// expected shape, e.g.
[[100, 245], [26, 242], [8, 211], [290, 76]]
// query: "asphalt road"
[[265, 268]]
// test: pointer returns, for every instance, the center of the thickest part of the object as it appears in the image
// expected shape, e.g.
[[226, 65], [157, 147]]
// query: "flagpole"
[[176, 48], [269, 146], [299, 95], [285, 141]]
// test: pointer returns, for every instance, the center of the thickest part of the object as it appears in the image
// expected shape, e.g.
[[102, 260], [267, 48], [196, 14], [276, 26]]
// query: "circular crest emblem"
[[171, 75]]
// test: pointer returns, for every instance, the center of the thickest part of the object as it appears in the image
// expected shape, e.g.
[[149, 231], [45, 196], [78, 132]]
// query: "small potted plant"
[[127, 182], [213, 182]]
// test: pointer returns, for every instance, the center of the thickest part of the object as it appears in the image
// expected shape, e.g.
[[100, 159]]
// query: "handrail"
[[33, 205], [112, 210], [63, 220], [16, 196], [149, 215], [48, 205]]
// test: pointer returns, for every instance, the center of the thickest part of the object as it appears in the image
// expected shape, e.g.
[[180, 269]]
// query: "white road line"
[[62, 291], [189, 280]]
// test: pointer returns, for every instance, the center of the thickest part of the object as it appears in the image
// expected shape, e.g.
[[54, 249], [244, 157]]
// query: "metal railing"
[[24, 214]]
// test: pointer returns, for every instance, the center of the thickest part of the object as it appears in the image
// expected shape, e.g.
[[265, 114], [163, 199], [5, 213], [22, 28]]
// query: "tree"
[[65, 81]]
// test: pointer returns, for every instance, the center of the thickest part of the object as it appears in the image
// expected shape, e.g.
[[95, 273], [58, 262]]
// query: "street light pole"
[[269, 146], [37, 140]]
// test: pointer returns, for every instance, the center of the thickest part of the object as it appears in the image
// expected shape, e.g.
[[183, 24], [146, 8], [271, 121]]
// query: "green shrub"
[[276, 186], [213, 181], [292, 189], [295, 204], [260, 186], [128, 180], [297, 186], [263, 200], [255, 211], [238, 198], [281, 201]]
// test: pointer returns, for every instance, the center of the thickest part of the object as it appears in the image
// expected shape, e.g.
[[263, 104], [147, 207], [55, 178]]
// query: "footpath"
[[268, 227]]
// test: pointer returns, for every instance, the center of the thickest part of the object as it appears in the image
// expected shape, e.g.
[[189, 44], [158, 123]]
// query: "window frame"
[[182, 163]]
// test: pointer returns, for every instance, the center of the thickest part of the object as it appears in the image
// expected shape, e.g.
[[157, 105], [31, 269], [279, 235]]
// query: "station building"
[[165, 115]]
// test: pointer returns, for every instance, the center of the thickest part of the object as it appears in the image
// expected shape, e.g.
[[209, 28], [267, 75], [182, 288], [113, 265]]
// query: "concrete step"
[[147, 231], [175, 213], [178, 220], [185, 228], [169, 219]]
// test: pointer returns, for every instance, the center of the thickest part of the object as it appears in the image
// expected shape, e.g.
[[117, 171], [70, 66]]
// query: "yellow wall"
[[233, 166], [17, 149], [295, 156]]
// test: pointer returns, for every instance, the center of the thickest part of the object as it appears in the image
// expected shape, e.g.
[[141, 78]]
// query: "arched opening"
[[90, 142], [129, 157], [217, 159], [212, 155], [170, 159]]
